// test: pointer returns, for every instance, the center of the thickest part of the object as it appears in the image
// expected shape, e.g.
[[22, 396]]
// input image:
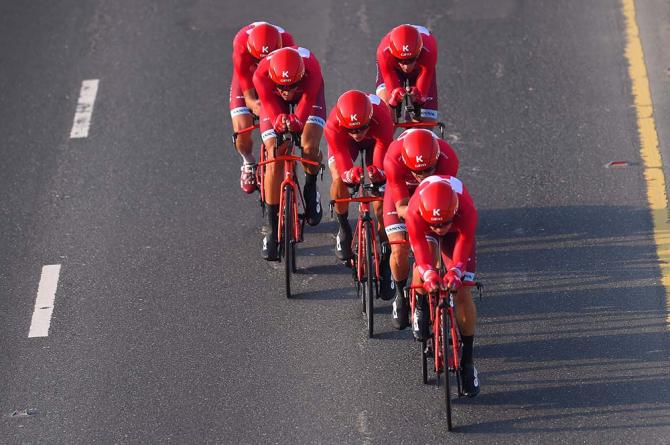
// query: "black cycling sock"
[[310, 179], [343, 221], [468, 341], [400, 286], [272, 211], [309, 190]]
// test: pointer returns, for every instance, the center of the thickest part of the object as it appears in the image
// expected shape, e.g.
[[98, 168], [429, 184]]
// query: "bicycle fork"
[[288, 181]]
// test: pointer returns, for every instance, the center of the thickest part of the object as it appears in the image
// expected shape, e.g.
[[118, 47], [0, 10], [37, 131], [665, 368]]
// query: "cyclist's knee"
[[463, 295]]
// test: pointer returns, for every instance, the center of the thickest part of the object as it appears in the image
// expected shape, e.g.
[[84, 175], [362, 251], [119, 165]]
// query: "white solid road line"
[[44, 304], [82, 117]]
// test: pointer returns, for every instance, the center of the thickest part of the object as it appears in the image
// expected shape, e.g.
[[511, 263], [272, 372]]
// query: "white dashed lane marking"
[[84, 112], [44, 303]]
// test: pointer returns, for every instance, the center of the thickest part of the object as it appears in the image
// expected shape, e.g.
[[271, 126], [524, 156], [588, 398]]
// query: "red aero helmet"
[[263, 39], [438, 202], [420, 150], [353, 109], [405, 42], [286, 66]]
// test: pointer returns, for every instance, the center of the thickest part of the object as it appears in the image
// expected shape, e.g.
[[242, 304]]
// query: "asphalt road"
[[169, 328]]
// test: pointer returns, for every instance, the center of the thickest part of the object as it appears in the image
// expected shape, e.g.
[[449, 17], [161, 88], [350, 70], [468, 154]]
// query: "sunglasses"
[[427, 172], [357, 130], [407, 61], [293, 86], [444, 224]]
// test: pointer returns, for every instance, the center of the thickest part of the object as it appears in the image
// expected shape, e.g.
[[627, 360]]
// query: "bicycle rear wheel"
[[370, 280], [289, 245], [446, 351]]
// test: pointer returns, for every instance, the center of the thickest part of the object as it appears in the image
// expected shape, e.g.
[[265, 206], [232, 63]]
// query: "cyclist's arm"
[[340, 150], [447, 163], [395, 183], [312, 85], [416, 229], [309, 97], [385, 62], [384, 135], [425, 79], [265, 90], [465, 239], [252, 101], [241, 65]]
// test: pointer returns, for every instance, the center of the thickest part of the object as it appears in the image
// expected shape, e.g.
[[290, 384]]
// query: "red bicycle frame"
[[363, 215], [289, 160], [438, 301]]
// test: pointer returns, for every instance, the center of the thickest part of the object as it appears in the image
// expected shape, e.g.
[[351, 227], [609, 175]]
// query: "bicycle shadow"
[[342, 293], [571, 321]]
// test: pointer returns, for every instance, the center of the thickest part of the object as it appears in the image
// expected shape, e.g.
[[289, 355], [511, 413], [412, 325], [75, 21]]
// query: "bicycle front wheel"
[[370, 280], [289, 245], [446, 351]]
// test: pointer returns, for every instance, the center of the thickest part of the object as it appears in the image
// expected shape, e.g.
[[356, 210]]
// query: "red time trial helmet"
[[263, 39], [405, 42], [286, 66], [438, 203], [353, 109], [420, 150]]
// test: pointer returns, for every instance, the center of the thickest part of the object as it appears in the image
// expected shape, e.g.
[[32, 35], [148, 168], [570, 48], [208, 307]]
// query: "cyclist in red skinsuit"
[[358, 121], [251, 44], [290, 75], [408, 52], [442, 208], [415, 155]]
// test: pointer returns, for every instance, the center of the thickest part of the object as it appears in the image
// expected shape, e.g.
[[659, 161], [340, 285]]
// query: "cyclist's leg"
[[466, 317], [274, 173], [396, 230], [311, 137], [339, 190], [310, 140], [242, 118], [399, 262], [420, 324], [466, 311]]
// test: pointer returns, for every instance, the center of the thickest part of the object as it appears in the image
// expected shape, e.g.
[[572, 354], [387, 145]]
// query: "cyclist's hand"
[[431, 281], [417, 97], [294, 124], [353, 176], [280, 125], [452, 280], [396, 96], [376, 175]]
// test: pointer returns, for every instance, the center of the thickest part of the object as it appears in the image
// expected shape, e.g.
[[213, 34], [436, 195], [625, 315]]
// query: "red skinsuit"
[[344, 150], [309, 94], [464, 225], [424, 72]]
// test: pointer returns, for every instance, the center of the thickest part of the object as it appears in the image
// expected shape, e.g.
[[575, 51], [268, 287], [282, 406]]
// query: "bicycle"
[[365, 261], [444, 345], [409, 109], [291, 222]]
